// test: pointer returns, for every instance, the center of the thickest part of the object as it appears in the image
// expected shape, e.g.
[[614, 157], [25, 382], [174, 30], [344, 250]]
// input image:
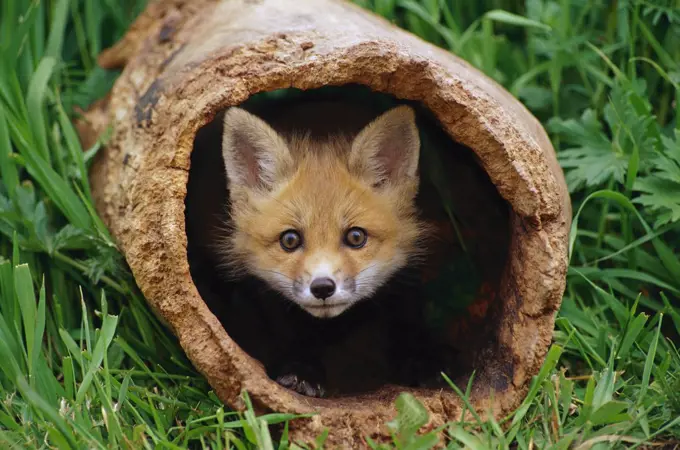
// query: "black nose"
[[322, 288]]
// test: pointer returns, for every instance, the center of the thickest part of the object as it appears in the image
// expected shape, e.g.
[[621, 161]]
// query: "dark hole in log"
[[457, 286]]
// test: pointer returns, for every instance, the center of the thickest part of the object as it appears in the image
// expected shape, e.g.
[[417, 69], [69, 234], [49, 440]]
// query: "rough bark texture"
[[184, 61]]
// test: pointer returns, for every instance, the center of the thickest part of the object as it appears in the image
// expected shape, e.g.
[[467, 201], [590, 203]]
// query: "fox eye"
[[290, 240], [355, 237]]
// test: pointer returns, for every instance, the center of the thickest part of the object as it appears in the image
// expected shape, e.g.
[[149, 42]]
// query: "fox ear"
[[387, 150], [255, 155]]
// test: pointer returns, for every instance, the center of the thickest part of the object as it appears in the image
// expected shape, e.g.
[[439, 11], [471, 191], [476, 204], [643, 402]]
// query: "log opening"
[[457, 284]]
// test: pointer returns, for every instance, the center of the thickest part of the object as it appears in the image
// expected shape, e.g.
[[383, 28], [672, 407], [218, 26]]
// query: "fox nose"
[[322, 288]]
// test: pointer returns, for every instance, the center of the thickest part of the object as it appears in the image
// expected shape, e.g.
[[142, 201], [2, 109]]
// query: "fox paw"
[[303, 377], [301, 386]]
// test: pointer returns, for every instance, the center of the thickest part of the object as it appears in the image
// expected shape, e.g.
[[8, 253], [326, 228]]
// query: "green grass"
[[86, 365]]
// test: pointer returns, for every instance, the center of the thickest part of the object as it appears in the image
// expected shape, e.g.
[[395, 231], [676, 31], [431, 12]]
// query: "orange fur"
[[321, 188]]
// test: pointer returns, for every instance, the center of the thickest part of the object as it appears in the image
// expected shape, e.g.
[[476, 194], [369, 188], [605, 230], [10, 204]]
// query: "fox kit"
[[324, 222]]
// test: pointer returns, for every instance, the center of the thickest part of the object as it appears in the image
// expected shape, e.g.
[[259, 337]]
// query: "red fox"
[[323, 222], [322, 233]]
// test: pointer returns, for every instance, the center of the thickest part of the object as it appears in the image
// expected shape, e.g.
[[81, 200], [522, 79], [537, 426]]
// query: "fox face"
[[323, 222]]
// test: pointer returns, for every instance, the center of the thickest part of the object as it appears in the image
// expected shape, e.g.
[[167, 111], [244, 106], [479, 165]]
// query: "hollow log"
[[185, 61]]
